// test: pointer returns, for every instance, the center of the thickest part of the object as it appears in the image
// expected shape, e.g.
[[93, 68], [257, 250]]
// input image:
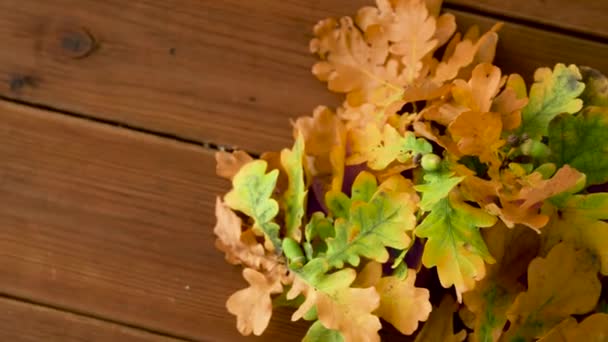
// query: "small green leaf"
[[437, 186], [251, 195], [581, 141], [553, 93], [295, 195]]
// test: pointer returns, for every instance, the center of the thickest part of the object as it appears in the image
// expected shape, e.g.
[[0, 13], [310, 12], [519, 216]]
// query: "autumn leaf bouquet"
[[442, 197]]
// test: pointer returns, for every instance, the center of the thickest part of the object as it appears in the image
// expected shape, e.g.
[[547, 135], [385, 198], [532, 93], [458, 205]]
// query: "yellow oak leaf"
[[253, 306], [228, 164], [489, 301], [295, 194], [379, 148], [440, 325], [349, 311], [562, 284], [402, 304], [592, 329]]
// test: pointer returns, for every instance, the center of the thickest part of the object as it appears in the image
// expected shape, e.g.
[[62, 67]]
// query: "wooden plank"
[[114, 224], [583, 16], [21, 322], [230, 72], [522, 49]]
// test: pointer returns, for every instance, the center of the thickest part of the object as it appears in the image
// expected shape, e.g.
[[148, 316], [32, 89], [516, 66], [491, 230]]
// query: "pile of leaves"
[[442, 197]]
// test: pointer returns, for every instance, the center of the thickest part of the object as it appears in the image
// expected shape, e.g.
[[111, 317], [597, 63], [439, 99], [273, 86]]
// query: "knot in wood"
[[77, 43]]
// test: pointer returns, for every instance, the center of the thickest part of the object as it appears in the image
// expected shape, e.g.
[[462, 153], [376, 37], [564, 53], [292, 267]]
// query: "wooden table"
[[110, 113]]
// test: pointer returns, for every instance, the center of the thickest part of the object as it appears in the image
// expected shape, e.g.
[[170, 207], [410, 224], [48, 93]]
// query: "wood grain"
[[114, 224], [229, 72], [522, 49], [583, 16], [22, 322]]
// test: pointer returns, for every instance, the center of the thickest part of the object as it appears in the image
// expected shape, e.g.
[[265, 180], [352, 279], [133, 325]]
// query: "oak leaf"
[[239, 247], [562, 284], [454, 244], [581, 221], [253, 305], [251, 195], [440, 325], [379, 147], [489, 301], [401, 303], [295, 195], [592, 329], [581, 142], [228, 164], [554, 92]]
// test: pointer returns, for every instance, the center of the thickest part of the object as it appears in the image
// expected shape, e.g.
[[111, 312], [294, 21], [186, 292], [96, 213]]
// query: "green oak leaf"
[[251, 195], [321, 227], [553, 93], [338, 203], [454, 244], [596, 88], [437, 186], [319, 333], [295, 195], [581, 141], [368, 228], [364, 188]]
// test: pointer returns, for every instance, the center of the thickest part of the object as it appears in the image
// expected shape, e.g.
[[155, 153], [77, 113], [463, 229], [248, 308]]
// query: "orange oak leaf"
[[510, 102], [478, 134], [228, 164], [253, 306], [477, 94]]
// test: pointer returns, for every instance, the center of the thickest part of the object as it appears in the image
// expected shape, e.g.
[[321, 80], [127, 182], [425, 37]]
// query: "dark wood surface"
[[107, 185]]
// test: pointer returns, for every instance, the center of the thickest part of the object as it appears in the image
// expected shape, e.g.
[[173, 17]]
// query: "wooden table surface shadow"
[[110, 111]]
